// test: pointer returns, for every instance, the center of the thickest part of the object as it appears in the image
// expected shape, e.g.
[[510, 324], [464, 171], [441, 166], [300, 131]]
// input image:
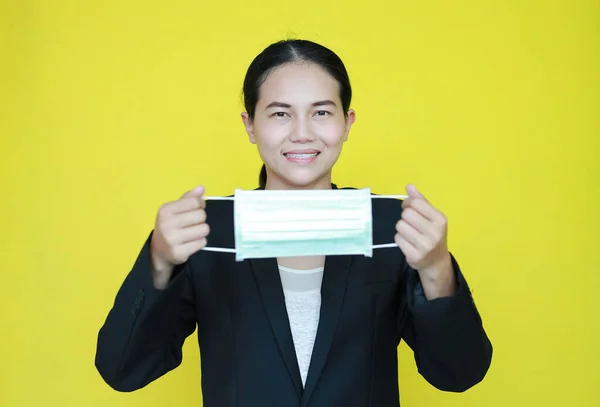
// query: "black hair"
[[290, 51]]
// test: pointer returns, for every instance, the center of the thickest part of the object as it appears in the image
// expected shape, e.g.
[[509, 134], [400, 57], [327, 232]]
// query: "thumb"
[[198, 191], [413, 191]]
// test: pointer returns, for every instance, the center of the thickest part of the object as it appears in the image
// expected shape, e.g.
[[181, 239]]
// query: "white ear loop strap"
[[231, 198]]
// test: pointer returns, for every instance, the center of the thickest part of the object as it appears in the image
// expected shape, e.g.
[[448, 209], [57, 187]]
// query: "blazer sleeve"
[[143, 334], [451, 348]]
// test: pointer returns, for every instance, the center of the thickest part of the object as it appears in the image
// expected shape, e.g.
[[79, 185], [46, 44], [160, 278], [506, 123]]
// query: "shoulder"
[[383, 207], [219, 217], [386, 213], [220, 207]]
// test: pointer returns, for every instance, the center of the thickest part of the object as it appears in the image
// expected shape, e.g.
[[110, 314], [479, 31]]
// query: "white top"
[[302, 290]]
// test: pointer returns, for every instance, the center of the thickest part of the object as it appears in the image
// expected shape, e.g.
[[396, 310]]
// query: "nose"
[[302, 132]]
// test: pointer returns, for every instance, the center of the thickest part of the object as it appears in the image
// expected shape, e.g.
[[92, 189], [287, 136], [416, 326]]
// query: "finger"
[[423, 207], [411, 200], [412, 235], [198, 191], [184, 251], [412, 191], [186, 219], [184, 205], [189, 234], [410, 251], [188, 201], [418, 221]]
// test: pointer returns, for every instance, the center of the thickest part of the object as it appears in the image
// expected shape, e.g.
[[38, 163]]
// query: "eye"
[[280, 114], [322, 113]]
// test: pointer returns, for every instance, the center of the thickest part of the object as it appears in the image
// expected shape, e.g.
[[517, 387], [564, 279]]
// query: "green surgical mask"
[[289, 223]]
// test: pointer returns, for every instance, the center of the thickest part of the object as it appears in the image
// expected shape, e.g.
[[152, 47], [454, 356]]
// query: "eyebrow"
[[287, 105]]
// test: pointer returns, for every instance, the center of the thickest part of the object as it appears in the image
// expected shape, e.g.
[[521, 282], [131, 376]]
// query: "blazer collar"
[[333, 289], [262, 187]]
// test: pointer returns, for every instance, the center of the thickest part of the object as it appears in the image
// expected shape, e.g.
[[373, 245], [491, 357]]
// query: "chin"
[[301, 179]]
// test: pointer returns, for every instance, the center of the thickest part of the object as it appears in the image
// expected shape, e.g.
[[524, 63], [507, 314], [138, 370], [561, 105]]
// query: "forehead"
[[299, 83]]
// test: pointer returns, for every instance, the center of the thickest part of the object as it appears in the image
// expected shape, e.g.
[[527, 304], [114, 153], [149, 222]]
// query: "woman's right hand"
[[180, 231]]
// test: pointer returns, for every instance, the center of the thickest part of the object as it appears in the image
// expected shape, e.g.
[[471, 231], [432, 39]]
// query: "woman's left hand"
[[422, 234]]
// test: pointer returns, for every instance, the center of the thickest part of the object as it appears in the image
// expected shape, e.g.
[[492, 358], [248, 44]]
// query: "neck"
[[276, 183]]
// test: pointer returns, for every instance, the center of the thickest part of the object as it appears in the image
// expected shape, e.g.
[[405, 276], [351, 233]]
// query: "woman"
[[295, 331]]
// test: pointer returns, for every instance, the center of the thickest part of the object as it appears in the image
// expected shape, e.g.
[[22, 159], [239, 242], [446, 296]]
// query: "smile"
[[301, 156]]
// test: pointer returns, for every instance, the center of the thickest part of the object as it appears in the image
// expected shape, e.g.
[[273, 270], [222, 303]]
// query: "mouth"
[[301, 156]]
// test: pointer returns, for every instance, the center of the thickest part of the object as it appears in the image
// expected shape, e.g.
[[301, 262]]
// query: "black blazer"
[[248, 360]]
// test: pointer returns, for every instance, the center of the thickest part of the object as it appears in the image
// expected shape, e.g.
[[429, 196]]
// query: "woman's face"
[[299, 126]]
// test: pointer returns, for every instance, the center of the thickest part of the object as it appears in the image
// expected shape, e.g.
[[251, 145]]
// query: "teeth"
[[302, 155]]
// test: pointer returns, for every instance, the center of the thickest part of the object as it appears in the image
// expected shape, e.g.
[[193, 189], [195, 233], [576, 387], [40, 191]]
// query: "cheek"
[[333, 133], [269, 135]]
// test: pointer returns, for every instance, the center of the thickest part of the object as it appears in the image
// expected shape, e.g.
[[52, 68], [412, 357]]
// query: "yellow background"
[[109, 108]]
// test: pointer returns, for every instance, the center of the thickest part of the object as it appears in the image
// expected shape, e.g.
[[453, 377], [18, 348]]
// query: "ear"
[[349, 122], [249, 126]]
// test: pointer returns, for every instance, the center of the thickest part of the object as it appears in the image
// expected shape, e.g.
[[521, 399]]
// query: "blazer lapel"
[[267, 278], [333, 290]]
